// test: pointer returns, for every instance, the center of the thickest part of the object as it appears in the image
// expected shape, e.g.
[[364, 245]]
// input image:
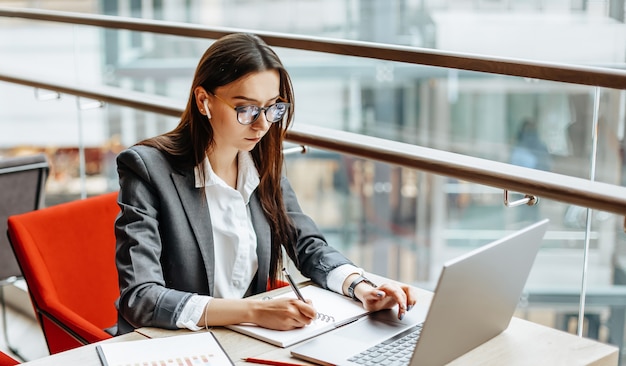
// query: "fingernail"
[[410, 307], [401, 316], [380, 294]]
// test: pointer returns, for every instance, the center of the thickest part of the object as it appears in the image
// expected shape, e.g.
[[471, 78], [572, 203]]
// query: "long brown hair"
[[225, 61]]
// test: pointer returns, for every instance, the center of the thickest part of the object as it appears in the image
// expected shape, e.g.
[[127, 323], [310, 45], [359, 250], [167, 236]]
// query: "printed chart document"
[[334, 310], [195, 349]]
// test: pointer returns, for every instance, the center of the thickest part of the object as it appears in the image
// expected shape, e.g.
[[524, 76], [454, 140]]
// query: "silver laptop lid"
[[477, 295]]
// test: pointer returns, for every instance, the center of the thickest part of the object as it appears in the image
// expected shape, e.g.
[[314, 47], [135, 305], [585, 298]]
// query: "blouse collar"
[[247, 176]]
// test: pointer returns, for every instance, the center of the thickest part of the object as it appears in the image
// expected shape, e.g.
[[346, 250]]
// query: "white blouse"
[[235, 240]]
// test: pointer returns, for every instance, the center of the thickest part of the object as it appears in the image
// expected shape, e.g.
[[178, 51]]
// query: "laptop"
[[475, 299]]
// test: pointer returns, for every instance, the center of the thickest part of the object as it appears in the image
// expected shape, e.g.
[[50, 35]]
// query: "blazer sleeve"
[[315, 258], [144, 299]]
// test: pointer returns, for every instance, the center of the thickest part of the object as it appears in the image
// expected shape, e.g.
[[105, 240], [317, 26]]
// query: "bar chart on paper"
[[199, 360], [199, 349]]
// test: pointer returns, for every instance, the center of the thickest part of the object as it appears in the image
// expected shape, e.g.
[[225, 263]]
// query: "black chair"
[[22, 189]]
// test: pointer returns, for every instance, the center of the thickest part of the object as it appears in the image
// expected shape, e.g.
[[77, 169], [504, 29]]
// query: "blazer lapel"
[[199, 217]]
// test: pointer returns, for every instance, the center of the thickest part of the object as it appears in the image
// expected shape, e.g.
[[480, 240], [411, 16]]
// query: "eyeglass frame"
[[261, 109]]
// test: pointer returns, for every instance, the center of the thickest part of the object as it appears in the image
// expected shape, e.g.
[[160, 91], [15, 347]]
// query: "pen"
[[293, 284], [270, 362]]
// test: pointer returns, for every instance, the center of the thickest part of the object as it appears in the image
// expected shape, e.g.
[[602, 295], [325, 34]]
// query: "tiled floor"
[[24, 333]]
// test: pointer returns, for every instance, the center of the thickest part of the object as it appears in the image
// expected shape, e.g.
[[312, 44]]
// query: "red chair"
[[279, 284], [5, 360], [67, 256]]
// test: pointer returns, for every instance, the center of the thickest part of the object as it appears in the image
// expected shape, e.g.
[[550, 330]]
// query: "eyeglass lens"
[[274, 113]]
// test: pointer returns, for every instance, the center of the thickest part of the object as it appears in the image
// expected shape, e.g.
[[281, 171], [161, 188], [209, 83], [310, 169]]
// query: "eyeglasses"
[[247, 114]]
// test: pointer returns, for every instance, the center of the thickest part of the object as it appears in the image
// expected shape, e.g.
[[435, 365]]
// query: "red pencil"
[[270, 362]]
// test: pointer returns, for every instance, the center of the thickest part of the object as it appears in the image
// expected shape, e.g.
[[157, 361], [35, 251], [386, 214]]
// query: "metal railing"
[[573, 190], [585, 75]]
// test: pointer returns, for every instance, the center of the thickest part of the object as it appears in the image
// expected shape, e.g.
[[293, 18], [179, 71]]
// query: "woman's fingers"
[[389, 295], [285, 314]]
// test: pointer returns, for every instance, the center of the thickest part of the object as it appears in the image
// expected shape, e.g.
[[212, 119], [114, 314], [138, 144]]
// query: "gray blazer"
[[164, 250]]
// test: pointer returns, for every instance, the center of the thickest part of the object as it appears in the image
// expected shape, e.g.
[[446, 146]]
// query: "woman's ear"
[[202, 100]]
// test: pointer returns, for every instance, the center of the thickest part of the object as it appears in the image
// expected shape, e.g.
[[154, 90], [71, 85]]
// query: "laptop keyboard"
[[394, 351]]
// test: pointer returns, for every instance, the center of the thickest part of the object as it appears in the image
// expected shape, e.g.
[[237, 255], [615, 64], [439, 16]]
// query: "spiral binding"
[[325, 318]]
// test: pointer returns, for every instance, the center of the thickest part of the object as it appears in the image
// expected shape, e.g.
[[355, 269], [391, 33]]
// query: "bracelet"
[[355, 283]]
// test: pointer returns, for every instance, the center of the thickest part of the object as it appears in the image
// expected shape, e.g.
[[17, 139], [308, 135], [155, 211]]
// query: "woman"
[[206, 213]]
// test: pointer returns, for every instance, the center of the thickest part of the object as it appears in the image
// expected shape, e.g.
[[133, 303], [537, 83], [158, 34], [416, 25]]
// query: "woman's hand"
[[283, 313], [386, 296]]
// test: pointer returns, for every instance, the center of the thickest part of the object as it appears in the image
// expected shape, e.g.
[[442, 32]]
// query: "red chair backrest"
[[67, 256], [5, 360]]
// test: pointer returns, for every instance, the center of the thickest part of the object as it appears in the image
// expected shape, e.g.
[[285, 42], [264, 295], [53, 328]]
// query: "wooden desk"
[[84, 356], [523, 343]]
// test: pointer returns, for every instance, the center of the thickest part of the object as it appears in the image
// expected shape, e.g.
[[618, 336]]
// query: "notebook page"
[[333, 310]]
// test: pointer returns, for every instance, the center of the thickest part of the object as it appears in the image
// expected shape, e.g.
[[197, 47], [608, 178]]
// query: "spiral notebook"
[[334, 310]]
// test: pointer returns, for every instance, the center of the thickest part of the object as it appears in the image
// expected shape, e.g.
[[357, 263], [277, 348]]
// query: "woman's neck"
[[225, 166]]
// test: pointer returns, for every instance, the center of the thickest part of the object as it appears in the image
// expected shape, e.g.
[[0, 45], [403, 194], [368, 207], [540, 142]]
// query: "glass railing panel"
[[58, 51], [610, 154], [41, 121], [538, 124], [152, 63], [350, 200], [126, 127], [470, 113], [79, 137], [76, 54], [603, 301]]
